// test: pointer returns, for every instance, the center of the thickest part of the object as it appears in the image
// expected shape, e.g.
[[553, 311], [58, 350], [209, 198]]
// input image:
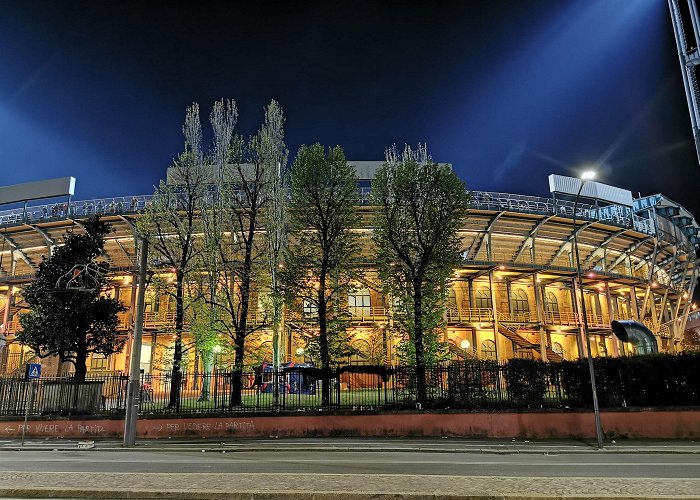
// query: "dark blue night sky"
[[507, 91]]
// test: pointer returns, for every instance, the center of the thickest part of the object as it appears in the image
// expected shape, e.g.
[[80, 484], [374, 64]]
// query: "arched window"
[[551, 305], [557, 348], [359, 302], [362, 352], [520, 303], [452, 298], [488, 349], [483, 298]]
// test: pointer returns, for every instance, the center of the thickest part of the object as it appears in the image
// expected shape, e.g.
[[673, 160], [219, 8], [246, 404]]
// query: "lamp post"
[[586, 176]]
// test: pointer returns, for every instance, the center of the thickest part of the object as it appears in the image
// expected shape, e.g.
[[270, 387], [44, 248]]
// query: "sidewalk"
[[268, 486]]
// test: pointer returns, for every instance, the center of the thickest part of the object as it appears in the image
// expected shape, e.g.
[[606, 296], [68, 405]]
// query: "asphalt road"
[[657, 465]]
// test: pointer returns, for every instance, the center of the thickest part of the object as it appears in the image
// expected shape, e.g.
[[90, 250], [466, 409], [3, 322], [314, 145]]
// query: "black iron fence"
[[635, 381]]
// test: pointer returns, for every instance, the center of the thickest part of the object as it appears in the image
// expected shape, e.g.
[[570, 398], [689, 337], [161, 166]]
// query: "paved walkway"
[[326, 486]]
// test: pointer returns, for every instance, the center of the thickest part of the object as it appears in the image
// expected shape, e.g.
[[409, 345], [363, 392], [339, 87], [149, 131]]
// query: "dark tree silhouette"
[[68, 316]]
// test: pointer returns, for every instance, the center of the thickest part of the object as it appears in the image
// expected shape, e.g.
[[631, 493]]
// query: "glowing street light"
[[587, 175]]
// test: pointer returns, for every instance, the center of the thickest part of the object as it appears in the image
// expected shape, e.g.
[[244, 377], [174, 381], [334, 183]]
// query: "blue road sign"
[[33, 371]]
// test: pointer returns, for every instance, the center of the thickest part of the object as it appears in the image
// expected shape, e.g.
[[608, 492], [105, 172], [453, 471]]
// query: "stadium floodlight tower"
[[686, 26]]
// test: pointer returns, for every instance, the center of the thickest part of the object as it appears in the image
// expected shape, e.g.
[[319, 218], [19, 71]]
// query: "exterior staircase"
[[515, 337]]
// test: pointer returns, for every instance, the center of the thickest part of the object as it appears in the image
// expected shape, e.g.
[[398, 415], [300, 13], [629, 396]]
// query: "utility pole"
[[686, 26], [133, 395]]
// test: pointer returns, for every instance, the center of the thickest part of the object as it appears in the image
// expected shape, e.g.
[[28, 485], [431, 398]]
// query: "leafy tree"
[[420, 206], [69, 316], [205, 337], [171, 223], [691, 340], [322, 258]]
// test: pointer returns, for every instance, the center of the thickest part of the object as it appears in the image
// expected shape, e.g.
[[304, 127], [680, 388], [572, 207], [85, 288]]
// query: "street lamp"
[[465, 345], [586, 176]]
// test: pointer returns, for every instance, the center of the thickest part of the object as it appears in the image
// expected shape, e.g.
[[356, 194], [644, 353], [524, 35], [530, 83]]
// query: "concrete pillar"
[[6, 313], [612, 313], [470, 287], [494, 309], [633, 303], [575, 301], [539, 306], [130, 324]]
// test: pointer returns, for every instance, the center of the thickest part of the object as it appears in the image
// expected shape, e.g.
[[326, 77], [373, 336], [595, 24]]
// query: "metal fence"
[[470, 384]]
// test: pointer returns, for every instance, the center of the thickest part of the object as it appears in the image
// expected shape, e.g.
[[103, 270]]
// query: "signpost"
[[32, 373]]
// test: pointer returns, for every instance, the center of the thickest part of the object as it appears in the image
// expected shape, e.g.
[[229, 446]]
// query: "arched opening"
[[520, 302], [483, 298], [551, 304], [488, 349]]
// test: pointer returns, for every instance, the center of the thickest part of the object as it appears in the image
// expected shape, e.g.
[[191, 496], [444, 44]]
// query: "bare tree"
[[247, 185], [171, 223]]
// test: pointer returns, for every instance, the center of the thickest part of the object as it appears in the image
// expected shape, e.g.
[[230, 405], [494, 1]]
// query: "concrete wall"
[[672, 424]]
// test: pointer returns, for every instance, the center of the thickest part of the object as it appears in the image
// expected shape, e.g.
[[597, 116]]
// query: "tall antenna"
[[686, 26]]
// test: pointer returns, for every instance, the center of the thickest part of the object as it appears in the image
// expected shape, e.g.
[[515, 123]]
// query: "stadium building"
[[515, 294]]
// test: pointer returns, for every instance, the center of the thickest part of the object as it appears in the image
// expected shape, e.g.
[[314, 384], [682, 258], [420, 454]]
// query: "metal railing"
[[351, 388], [456, 314], [481, 200], [362, 314], [74, 209], [468, 383]]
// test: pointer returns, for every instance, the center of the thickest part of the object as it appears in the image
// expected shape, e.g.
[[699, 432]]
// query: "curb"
[[389, 449], [298, 495]]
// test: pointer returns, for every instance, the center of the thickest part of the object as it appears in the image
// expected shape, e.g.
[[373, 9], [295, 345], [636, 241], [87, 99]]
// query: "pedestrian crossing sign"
[[33, 371]]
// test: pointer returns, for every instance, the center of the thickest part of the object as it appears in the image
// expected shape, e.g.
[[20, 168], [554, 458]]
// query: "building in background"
[[514, 294]]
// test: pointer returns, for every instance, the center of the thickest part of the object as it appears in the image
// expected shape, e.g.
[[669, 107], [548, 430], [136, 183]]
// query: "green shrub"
[[526, 380]]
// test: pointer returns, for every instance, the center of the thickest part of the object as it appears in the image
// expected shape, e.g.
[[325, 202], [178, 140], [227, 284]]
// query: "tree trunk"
[[236, 397], [176, 373], [208, 362], [80, 364], [242, 327], [421, 389], [323, 342]]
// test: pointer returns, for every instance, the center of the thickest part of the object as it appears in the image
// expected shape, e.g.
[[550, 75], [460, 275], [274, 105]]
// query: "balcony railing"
[[13, 326], [468, 315], [518, 317], [367, 314], [570, 318]]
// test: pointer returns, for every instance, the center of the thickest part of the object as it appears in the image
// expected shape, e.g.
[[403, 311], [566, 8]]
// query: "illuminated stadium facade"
[[514, 295]]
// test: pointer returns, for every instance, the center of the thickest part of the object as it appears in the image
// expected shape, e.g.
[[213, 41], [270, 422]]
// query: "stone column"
[[540, 317]]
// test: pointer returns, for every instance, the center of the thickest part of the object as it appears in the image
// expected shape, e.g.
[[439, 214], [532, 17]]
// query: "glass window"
[[488, 349], [520, 303], [99, 363], [483, 298], [551, 305], [310, 309], [359, 302]]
